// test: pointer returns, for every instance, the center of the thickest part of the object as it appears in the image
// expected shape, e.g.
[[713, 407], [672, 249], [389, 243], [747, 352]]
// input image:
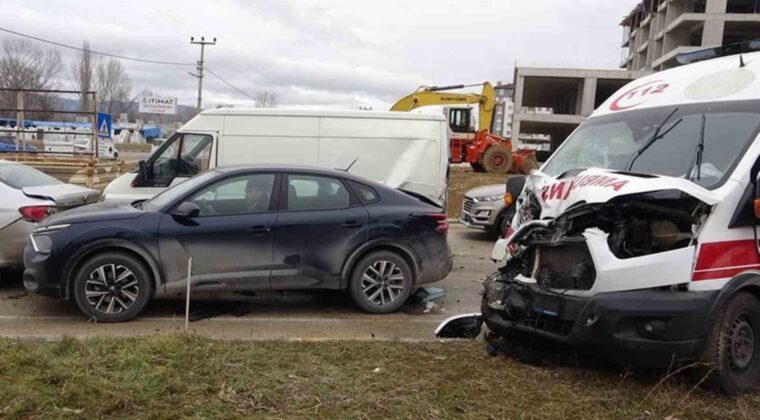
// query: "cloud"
[[331, 52]]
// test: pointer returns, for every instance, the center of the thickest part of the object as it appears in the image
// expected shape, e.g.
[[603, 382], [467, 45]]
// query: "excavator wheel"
[[497, 159], [477, 167]]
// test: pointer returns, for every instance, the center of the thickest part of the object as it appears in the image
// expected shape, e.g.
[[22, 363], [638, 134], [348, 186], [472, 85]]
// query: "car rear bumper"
[[13, 238], [643, 328]]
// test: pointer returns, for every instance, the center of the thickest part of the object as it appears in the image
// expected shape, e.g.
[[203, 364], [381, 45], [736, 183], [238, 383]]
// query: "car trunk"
[[64, 195]]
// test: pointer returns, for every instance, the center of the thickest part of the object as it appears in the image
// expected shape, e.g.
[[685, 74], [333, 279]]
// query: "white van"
[[637, 240], [403, 150]]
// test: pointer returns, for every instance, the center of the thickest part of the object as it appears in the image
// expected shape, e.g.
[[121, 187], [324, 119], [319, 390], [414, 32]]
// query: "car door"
[[231, 240], [319, 225]]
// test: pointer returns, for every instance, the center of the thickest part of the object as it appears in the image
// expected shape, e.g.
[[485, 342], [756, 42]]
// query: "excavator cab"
[[460, 119]]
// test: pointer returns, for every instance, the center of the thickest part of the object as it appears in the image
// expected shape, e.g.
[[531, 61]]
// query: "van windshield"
[[612, 141]]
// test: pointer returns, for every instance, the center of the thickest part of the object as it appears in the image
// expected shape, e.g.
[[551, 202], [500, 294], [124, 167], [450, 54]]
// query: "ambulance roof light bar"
[[722, 51]]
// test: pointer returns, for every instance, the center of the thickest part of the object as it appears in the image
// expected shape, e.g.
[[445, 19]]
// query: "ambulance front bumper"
[[642, 328]]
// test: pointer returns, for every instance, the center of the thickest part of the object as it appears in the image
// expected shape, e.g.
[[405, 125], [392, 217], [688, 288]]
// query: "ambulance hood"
[[557, 195]]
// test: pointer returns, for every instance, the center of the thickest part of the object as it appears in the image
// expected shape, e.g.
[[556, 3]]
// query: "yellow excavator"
[[483, 150]]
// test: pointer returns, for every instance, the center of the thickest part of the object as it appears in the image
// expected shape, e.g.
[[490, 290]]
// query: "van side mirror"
[[187, 210], [142, 175]]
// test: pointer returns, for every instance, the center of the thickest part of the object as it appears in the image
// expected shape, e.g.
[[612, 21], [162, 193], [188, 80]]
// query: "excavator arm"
[[429, 96]]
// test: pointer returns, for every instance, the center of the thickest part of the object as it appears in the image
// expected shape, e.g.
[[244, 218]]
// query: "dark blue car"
[[246, 229]]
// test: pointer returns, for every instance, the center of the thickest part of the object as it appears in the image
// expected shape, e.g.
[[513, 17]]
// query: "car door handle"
[[258, 230], [351, 224]]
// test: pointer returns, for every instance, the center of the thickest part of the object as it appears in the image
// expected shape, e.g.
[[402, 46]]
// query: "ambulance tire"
[[731, 358]]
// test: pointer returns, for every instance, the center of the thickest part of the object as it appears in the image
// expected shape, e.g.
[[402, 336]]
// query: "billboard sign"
[[158, 105]]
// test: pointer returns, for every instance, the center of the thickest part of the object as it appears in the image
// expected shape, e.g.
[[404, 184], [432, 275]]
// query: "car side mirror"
[[187, 210]]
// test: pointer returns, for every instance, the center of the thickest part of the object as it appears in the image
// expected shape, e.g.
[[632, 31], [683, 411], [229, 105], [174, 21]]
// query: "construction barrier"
[[85, 171]]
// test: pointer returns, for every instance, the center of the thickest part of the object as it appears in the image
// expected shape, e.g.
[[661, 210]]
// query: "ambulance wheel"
[[497, 159], [477, 167], [732, 353]]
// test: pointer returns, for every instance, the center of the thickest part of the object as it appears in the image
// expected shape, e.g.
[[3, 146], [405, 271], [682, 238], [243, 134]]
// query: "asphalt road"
[[320, 315]]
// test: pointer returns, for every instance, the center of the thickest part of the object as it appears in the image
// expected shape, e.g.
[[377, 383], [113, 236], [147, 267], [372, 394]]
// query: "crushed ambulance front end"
[[600, 260]]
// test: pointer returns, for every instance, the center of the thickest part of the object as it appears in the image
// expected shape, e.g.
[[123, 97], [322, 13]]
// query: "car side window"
[[245, 194], [366, 193], [308, 192]]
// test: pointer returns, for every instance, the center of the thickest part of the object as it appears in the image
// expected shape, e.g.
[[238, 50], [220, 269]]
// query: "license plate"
[[546, 305]]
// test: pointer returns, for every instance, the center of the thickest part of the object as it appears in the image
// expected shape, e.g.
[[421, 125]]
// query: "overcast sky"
[[342, 53]]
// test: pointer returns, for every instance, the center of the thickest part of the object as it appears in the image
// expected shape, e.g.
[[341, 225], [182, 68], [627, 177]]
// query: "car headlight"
[[41, 239], [491, 198]]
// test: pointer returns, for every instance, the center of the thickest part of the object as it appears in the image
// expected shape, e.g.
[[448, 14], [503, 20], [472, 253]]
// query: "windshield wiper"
[[655, 136], [697, 162]]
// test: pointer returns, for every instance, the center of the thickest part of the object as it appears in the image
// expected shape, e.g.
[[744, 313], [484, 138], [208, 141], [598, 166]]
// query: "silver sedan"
[[28, 197]]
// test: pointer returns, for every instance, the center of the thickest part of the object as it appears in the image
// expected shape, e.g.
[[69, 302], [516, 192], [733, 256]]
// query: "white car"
[[28, 197]]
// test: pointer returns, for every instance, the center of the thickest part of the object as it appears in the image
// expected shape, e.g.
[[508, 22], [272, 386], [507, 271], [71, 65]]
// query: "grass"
[[170, 376]]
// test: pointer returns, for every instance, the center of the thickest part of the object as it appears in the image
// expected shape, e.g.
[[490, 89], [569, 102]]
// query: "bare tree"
[[265, 100], [23, 65], [114, 87], [83, 74]]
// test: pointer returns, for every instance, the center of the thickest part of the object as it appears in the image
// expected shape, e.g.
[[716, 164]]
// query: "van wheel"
[[381, 282], [732, 354], [112, 287], [477, 167]]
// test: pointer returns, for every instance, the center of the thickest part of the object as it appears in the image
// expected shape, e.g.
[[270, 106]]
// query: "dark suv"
[[246, 229]]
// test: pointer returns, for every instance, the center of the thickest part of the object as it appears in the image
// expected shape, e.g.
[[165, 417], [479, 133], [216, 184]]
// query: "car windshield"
[[21, 176], [613, 141], [169, 195]]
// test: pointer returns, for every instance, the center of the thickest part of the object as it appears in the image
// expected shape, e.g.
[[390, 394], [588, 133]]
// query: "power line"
[[71, 47], [132, 59], [228, 83]]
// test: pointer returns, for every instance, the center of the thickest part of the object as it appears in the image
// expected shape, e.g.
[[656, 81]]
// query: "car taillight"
[[441, 221], [34, 214]]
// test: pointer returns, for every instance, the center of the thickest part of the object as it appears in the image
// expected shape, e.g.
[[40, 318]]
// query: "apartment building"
[[656, 31]]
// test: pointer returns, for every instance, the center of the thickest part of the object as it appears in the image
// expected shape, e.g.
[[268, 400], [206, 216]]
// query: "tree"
[[83, 74], [23, 65], [114, 87], [265, 100]]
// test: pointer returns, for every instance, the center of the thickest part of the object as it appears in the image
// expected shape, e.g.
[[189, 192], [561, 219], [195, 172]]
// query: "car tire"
[[731, 358], [504, 223], [112, 287], [381, 282]]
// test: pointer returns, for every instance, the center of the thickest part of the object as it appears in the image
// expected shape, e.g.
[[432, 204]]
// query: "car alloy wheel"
[[383, 283], [112, 289]]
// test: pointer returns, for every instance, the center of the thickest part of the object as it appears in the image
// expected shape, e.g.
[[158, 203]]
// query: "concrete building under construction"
[[656, 31]]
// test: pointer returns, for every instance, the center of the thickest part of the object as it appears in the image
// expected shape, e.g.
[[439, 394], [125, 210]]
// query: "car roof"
[[313, 170], [339, 113]]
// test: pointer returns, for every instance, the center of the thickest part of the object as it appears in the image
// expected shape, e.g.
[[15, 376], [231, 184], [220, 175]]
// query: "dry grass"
[[187, 376], [462, 179]]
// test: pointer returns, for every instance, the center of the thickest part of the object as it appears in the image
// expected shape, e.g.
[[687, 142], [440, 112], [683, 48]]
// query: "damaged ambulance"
[[637, 240]]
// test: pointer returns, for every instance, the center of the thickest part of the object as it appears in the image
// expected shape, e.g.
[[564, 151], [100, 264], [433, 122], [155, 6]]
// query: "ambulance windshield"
[[724, 130]]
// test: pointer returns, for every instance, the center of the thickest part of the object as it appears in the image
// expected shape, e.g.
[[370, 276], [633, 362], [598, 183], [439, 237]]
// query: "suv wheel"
[[381, 282], [732, 353], [112, 287]]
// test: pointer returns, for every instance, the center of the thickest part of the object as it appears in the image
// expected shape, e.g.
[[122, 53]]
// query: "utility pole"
[[199, 68]]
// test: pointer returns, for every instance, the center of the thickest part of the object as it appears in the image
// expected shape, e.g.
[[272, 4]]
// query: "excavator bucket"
[[524, 161]]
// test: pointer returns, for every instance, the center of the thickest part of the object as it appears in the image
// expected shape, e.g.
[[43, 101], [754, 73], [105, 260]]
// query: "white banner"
[[156, 105]]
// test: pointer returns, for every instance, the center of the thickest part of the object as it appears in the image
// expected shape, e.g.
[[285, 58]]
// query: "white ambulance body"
[[637, 239]]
